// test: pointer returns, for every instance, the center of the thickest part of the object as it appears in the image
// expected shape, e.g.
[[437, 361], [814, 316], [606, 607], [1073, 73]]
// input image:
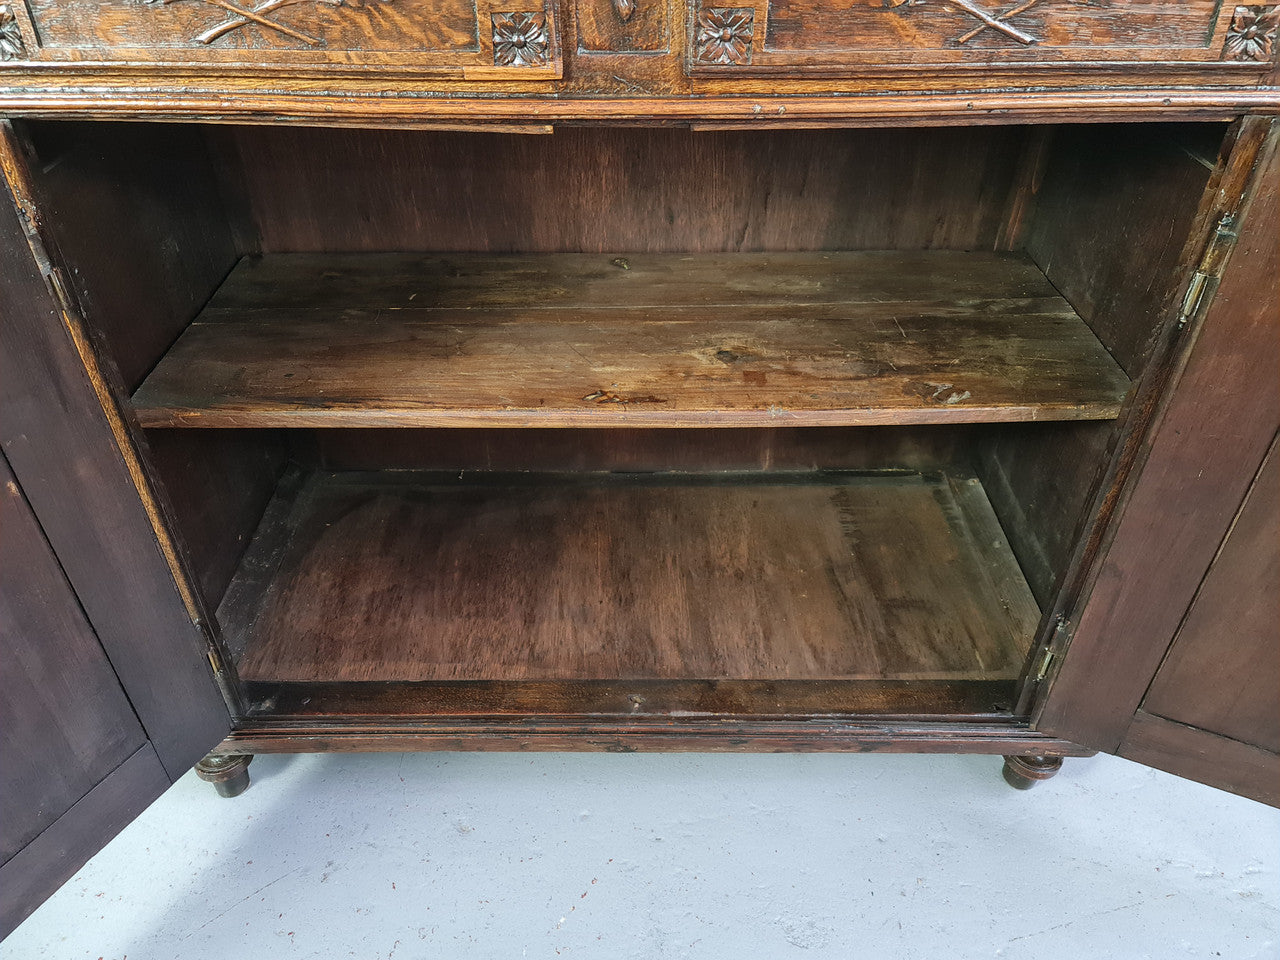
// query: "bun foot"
[[1023, 773], [228, 772]]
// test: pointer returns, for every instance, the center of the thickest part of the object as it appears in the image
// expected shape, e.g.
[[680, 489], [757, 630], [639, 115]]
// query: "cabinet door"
[[77, 764], [1175, 658], [108, 691]]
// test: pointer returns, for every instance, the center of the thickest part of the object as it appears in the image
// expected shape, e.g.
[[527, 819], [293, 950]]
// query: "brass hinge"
[[1210, 269], [1061, 628], [1045, 661]]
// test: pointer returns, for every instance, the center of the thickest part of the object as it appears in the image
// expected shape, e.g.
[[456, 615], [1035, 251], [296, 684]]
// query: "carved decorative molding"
[[243, 14], [988, 20], [1252, 35], [11, 45], [520, 40], [724, 34]]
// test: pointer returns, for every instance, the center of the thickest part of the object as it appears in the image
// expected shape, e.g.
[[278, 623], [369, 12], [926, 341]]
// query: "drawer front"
[[821, 37], [466, 39]]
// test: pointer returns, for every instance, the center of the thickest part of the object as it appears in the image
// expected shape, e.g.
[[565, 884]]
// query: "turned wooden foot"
[[1023, 773], [228, 772]]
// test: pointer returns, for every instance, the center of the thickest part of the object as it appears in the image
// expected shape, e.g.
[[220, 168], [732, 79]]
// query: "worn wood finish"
[[696, 734], [1202, 455], [68, 447], [635, 699], [137, 217], [472, 39], [623, 450], [600, 189], [370, 578], [1197, 754], [748, 340], [1039, 479], [803, 37], [1113, 214], [1222, 672], [66, 722], [52, 858], [218, 484]]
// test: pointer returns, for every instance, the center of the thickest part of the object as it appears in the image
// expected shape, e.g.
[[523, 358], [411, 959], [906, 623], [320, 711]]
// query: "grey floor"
[[608, 856]]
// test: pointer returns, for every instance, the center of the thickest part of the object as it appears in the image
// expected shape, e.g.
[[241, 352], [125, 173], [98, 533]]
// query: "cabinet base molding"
[[228, 772], [651, 734]]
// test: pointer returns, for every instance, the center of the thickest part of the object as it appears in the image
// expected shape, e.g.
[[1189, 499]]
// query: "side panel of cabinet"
[[1203, 456], [68, 447], [77, 765]]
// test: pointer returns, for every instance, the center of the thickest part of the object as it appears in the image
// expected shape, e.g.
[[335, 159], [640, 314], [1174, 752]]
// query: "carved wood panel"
[[471, 39], [826, 37]]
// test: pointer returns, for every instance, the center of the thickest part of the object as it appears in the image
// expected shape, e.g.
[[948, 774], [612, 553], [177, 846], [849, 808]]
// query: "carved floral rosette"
[[1252, 35], [11, 43]]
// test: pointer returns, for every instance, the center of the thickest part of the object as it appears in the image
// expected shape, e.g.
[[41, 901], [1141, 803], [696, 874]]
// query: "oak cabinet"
[[769, 403]]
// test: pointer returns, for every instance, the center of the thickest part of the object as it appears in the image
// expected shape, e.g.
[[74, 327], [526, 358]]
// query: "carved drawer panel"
[[471, 39], [834, 37]]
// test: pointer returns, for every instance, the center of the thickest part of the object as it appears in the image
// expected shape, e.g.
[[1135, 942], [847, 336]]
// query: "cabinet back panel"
[[653, 190]]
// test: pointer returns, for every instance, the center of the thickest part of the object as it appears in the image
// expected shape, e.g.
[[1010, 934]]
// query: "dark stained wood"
[[218, 483], [65, 721], [767, 449], [633, 339], [1202, 454], [632, 699], [599, 190], [65, 443], [1113, 214], [668, 734], [1024, 772], [1039, 479], [1197, 754], [1222, 673], [137, 217], [361, 577], [52, 858]]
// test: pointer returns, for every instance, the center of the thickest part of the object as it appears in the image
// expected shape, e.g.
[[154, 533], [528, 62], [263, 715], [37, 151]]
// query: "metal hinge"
[[1045, 661], [1210, 270], [1061, 628]]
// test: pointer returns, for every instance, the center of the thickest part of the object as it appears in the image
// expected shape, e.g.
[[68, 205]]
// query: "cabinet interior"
[[625, 420]]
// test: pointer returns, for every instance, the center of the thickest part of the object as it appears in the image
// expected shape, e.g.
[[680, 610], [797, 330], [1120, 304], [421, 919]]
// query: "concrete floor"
[[461, 856]]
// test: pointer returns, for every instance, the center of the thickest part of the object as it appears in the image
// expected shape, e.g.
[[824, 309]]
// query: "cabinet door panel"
[[67, 725], [70, 451], [1223, 670], [460, 39], [818, 37], [1204, 454]]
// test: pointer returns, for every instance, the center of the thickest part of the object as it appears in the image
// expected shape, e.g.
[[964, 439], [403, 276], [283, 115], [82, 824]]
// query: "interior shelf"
[[390, 576], [596, 340]]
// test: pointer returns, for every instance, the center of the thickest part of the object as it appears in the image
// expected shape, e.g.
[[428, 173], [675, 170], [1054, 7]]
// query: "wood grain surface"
[[1230, 688], [653, 340], [598, 189], [373, 577]]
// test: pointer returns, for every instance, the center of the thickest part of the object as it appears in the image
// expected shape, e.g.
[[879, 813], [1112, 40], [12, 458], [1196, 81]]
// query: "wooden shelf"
[[405, 577], [560, 340]]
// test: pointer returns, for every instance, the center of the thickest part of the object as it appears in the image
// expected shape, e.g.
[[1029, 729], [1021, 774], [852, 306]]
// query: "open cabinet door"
[[1175, 657], [107, 694]]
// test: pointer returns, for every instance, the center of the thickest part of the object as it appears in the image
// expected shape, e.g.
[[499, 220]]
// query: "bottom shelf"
[[889, 593]]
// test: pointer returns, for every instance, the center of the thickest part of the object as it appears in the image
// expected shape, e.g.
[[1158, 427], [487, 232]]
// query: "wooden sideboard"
[[631, 375]]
